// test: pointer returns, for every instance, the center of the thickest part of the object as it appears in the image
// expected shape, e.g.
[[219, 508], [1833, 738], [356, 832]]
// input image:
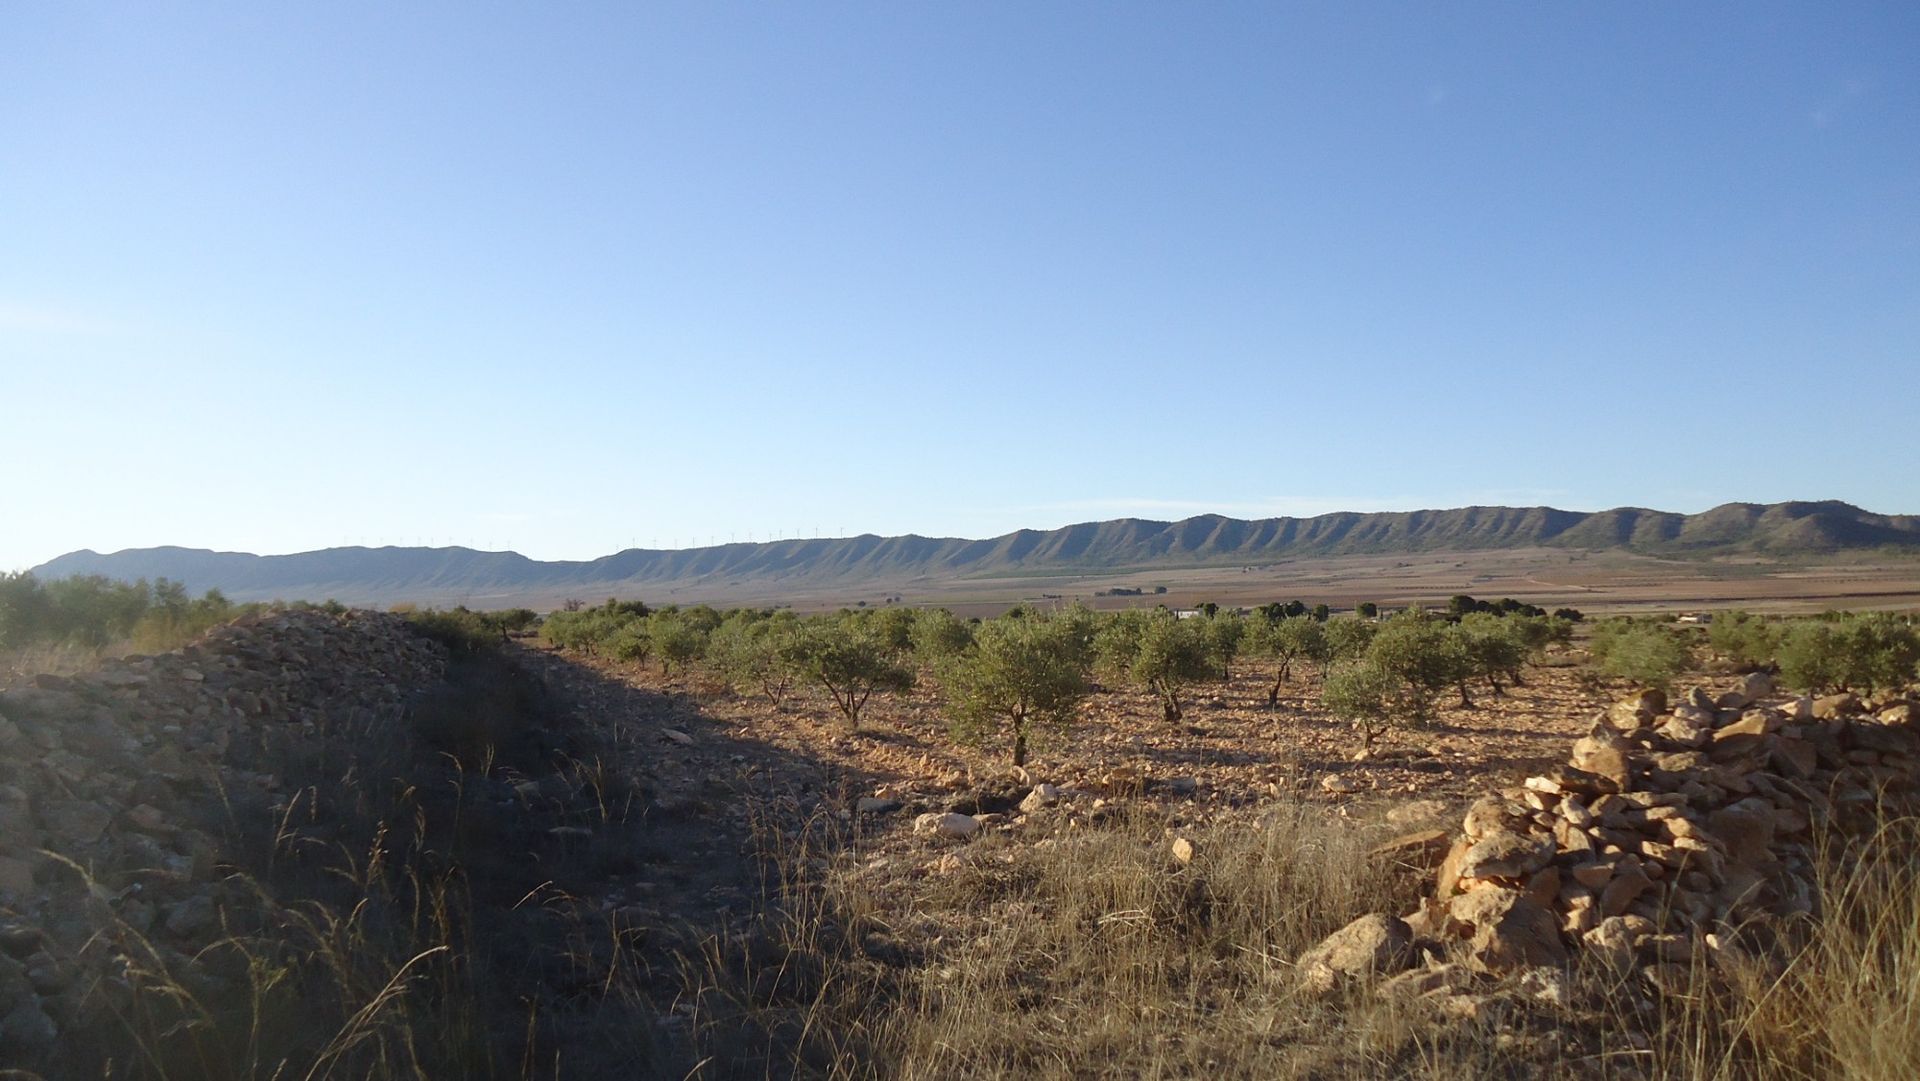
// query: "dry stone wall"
[[1670, 827], [111, 784]]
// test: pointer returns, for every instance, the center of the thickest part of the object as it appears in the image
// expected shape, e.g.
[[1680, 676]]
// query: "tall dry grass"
[[1099, 956]]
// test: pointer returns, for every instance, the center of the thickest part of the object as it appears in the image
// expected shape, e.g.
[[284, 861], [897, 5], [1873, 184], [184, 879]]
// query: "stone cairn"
[[110, 783], [1667, 829]]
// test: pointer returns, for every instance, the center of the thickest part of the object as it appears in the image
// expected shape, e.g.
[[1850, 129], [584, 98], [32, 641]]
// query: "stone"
[[952, 825], [1686, 731], [1756, 685], [1604, 754], [1183, 850], [1547, 985], [1635, 711], [1902, 715], [9, 733], [1744, 829], [1422, 848], [1611, 942], [191, 917], [1754, 722], [1509, 930], [1833, 706], [28, 1028], [875, 805], [1506, 855], [77, 822], [1794, 758], [677, 736], [1375, 944], [1043, 795], [1622, 890], [16, 876], [1338, 785], [1593, 876]]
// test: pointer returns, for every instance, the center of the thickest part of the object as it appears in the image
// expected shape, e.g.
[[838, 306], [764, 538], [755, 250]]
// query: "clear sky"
[[569, 277]]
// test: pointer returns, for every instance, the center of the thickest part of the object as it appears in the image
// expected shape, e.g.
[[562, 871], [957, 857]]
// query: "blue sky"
[[565, 278]]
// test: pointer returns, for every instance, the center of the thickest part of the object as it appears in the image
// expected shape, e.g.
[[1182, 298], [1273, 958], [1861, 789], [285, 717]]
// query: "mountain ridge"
[[1114, 545]]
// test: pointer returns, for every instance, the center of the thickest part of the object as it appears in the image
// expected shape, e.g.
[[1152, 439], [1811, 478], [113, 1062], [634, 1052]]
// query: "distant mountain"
[[373, 574]]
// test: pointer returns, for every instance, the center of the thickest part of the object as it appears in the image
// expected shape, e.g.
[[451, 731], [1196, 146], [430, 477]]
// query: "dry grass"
[[1099, 956]]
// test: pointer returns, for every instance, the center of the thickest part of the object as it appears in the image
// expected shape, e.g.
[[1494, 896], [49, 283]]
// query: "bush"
[[849, 660], [1744, 639], [1017, 673], [1424, 655], [749, 652], [1645, 652], [1860, 652], [1368, 695], [1155, 650], [938, 634]]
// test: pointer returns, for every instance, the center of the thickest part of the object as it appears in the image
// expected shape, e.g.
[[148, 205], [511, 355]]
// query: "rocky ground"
[[605, 853]]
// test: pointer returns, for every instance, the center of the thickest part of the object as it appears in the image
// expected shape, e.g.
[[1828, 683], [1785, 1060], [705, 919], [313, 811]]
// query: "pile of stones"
[[1670, 827], [112, 783]]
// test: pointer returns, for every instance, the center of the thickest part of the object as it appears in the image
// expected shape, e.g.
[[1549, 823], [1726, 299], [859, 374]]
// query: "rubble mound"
[[1671, 829], [112, 784]]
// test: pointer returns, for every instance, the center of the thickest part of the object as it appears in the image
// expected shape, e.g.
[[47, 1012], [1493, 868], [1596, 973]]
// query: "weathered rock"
[[876, 805], [1372, 945], [77, 822], [1506, 855], [1338, 785], [1043, 795], [1509, 931], [27, 1028], [1183, 850], [1834, 706], [951, 826], [1603, 754]]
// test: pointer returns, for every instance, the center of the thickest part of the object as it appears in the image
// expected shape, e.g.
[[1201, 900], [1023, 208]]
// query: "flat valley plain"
[[1608, 583]]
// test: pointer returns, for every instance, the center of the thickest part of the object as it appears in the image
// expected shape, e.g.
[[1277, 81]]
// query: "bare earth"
[[1605, 582]]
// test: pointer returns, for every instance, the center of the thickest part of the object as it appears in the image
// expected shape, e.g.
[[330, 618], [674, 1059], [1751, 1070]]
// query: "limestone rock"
[[1183, 850], [1506, 855], [1509, 930], [1375, 944], [1043, 795], [1834, 706], [951, 826]]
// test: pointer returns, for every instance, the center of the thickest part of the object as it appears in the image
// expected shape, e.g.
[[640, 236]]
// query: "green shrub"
[[1018, 673], [1745, 639], [1646, 652]]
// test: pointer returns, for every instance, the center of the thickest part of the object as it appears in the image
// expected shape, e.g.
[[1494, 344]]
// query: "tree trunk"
[[1465, 701]]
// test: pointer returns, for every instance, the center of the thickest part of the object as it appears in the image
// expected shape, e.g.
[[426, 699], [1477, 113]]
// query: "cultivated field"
[[1607, 582]]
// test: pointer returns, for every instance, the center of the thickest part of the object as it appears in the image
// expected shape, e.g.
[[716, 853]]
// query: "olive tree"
[[1743, 638], [938, 633], [1647, 653], [1859, 652], [750, 653], [1494, 647], [1367, 695], [1284, 641], [1426, 655], [1155, 650], [677, 638], [1016, 674], [850, 661]]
